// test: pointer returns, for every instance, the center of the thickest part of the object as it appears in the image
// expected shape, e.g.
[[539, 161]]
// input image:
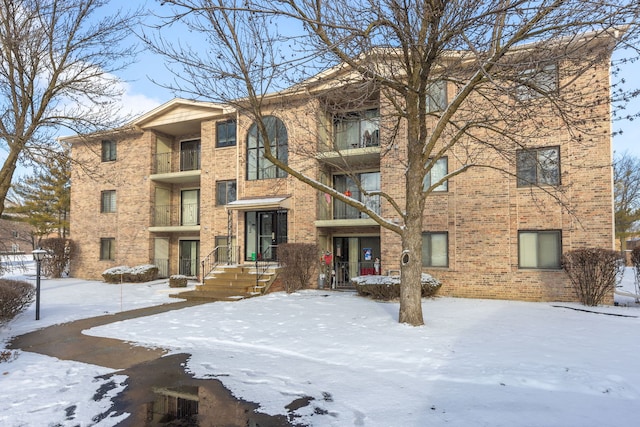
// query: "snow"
[[475, 362]]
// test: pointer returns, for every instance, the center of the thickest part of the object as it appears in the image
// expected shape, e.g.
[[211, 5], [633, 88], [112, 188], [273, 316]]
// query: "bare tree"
[[499, 55], [626, 184], [56, 57]]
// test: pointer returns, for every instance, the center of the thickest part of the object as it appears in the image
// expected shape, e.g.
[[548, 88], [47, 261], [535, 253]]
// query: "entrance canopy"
[[267, 203]]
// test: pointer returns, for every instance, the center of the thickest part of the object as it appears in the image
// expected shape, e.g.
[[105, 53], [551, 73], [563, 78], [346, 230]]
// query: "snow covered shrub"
[[15, 296], [298, 262], [593, 273], [122, 273], [59, 253], [178, 281], [635, 261], [388, 287]]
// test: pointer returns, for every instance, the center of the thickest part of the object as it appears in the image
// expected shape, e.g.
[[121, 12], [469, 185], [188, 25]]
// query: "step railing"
[[266, 260], [220, 255]]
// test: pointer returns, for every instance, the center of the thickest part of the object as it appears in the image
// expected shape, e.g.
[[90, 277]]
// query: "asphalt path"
[[66, 341]]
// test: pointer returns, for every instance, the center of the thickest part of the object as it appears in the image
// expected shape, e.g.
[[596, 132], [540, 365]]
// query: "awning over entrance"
[[267, 203]]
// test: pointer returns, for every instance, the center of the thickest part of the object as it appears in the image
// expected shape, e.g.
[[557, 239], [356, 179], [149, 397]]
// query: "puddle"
[[160, 393]]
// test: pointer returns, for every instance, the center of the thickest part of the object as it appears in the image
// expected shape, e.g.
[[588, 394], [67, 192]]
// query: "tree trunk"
[[411, 274]]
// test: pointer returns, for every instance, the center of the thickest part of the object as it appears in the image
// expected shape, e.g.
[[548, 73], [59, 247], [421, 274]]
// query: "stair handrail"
[[262, 265], [213, 260]]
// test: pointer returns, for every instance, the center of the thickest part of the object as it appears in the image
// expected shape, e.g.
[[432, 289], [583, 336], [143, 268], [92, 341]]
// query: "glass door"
[[189, 256], [264, 232], [190, 207]]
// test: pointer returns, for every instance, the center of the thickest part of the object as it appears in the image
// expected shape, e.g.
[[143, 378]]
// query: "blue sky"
[[143, 95]]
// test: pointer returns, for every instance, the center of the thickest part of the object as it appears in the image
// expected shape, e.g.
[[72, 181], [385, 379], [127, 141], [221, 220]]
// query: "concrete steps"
[[232, 283]]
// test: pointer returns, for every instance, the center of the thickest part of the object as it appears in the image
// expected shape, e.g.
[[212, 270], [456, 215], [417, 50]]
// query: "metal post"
[[38, 289], [38, 256]]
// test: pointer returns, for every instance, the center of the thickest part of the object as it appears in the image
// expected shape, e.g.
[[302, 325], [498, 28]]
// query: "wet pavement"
[[158, 391]]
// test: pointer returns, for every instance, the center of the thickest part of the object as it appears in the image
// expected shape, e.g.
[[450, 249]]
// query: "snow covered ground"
[[475, 362]]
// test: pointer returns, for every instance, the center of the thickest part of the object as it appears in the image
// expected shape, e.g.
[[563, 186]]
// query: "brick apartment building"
[[189, 177]]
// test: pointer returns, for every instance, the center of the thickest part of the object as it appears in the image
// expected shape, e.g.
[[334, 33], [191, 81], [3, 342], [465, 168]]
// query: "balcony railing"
[[189, 161], [343, 211], [182, 215], [163, 267], [353, 140], [188, 267], [344, 271]]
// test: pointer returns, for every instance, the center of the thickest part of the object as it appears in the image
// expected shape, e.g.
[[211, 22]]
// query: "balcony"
[[174, 218], [173, 169], [342, 215], [356, 139]]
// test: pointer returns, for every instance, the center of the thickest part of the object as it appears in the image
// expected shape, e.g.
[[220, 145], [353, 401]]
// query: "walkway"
[[66, 341]]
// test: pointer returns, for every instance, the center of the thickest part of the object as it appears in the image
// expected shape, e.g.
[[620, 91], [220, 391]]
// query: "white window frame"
[[108, 248], [538, 161], [543, 244], [537, 82], [429, 240], [438, 171], [437, 96], [108, 201]]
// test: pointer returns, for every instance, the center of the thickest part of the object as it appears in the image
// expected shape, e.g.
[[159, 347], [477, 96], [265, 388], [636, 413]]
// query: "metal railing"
[[188, 267], [189, 160], [163, 267], [262, 263], [343, 211], [176, 215], [220, 255], [343, 271]]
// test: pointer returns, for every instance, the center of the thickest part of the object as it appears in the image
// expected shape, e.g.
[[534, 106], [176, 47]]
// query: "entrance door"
[[354, 256], [190, 155], [264, 232], [189, 256]]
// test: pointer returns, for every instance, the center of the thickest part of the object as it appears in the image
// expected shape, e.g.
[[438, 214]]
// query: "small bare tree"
[[299, 261], [499, 56], [593, 272], [56, 60]]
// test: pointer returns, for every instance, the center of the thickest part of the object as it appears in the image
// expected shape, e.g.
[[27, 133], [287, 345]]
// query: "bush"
[[138, 274], [593, 273], [59, 253], [298, 262], [178, 281], [15, 296], [388, 287]]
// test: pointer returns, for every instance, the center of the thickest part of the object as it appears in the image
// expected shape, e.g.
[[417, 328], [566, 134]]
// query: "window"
[[369, 181], [437, 96], [225, 192], [108, 150], [435, 249], [226, 134], [258, 167], [538, 166], [539, 249], [14, 234], [438, 171], [536, 82], [357, 129], [108, 248], [108, 201]]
